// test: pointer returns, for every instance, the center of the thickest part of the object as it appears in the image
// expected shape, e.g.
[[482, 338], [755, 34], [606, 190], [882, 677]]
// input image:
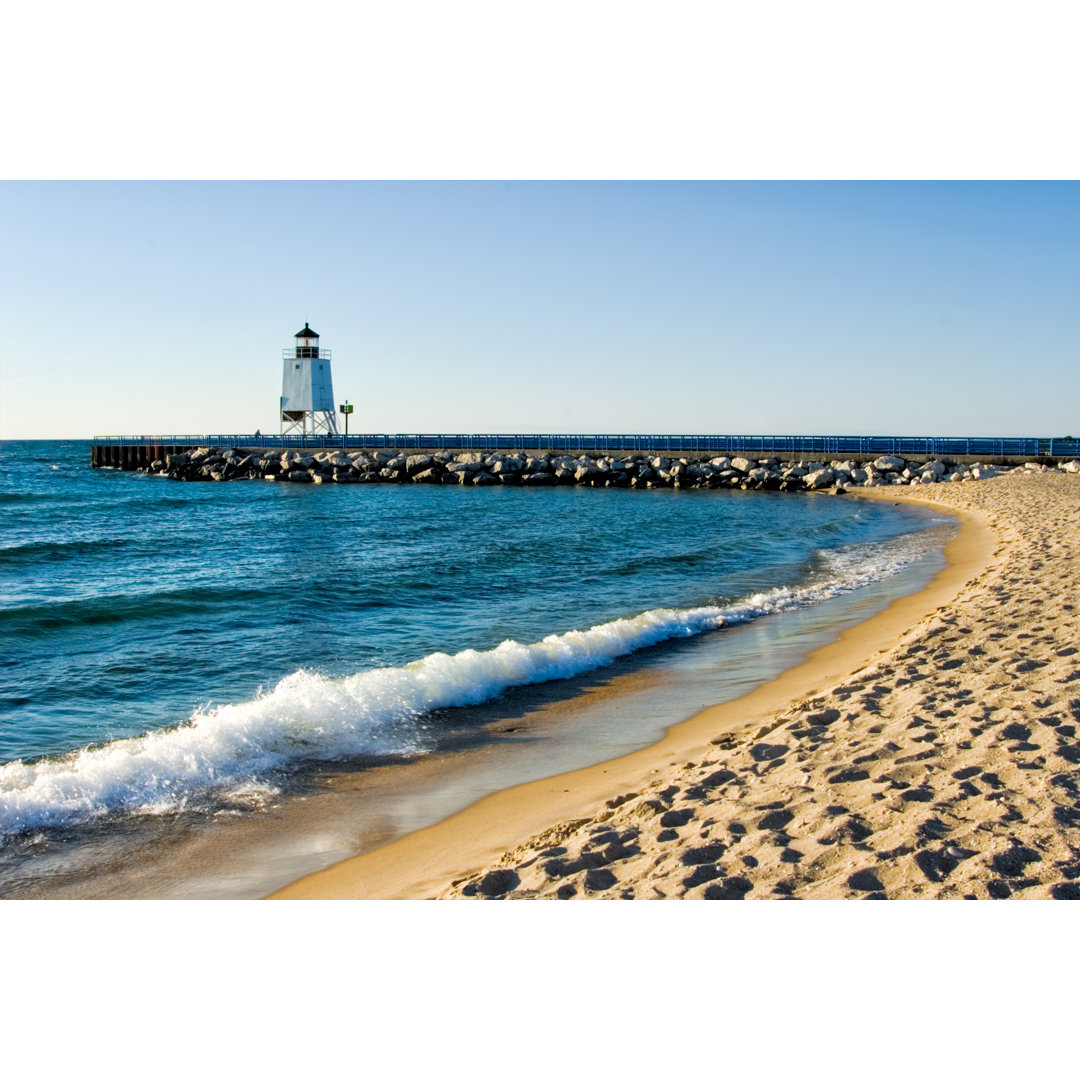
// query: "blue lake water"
[[165, 646]]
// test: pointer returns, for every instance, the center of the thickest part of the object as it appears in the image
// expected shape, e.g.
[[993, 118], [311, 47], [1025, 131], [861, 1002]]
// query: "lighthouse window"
[[297, 366]]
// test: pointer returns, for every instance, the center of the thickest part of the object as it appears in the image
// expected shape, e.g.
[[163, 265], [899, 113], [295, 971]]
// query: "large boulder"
[[819, 479], [428, 476], [418, 463], [889, 464]]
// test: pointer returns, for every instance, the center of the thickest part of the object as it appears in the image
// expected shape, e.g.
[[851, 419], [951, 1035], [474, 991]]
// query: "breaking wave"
[[228, 750]]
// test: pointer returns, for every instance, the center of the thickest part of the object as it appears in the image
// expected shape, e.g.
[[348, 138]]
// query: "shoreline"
[[326, 813], [427, 862]]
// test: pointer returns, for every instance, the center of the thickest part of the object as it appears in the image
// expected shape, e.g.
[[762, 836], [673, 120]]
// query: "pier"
[[133, 452]]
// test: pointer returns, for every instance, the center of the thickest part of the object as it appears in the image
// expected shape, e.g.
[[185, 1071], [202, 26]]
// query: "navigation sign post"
[[346, 409]]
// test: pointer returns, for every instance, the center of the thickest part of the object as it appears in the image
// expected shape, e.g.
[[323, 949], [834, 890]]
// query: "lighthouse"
[[307, 394]]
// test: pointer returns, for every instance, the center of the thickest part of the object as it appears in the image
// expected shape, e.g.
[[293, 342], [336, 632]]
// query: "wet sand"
[[932, 750]]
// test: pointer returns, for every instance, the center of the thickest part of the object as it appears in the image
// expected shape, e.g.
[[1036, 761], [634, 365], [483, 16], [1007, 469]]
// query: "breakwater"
[[207, 463], [132, 452]]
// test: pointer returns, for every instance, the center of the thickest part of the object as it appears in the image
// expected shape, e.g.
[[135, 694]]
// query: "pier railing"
[[760, 445]]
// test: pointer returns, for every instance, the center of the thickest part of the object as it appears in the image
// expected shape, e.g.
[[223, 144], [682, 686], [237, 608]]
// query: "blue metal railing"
[[760, 445]]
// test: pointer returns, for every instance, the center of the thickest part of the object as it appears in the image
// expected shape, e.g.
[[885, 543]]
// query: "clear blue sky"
[[728, 307]]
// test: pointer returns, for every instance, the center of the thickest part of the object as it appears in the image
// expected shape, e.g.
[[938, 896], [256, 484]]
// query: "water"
[[170, 650]]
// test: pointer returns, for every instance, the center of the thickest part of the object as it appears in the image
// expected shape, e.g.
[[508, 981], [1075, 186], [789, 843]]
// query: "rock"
[[744, 465], [821, 478], [417, 463], [428, 476], [889, 464]]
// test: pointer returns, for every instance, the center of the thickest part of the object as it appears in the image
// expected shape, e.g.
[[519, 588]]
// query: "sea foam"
[[234, 749]]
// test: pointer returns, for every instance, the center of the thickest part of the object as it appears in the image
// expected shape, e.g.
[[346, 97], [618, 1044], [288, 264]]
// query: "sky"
[[923, 308]]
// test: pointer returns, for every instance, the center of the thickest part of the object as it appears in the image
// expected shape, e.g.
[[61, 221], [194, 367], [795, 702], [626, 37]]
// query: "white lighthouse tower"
[[307, 394]]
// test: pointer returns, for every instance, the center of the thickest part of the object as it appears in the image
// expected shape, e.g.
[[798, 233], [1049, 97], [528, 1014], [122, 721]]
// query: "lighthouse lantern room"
[[307, 394]]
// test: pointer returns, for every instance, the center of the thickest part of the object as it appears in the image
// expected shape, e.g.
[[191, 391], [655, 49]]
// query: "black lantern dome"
[[307, 344]]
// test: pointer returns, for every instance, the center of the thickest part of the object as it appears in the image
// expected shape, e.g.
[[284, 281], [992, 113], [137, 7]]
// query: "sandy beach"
[[931, 751]]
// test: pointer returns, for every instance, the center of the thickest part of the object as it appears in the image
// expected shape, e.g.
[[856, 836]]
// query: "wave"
[[37, 619], [225, 750], [48, 551]]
